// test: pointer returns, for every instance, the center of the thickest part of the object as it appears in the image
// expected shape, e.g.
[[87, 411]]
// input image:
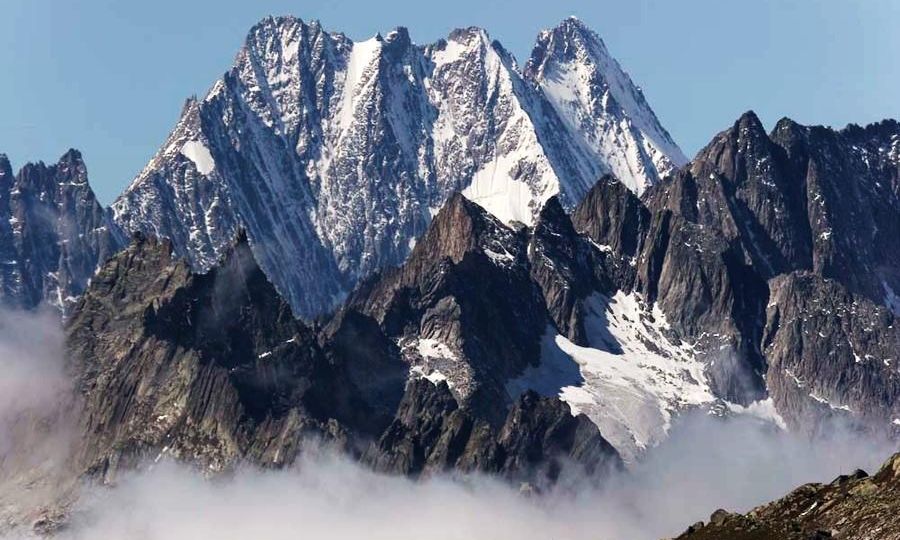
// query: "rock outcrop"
[[774, 255], [831, 353], [539, 438], [207, 368], [851, 507]]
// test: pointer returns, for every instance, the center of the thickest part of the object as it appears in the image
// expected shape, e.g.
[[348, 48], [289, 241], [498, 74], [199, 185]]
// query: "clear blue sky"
[[109, 77]]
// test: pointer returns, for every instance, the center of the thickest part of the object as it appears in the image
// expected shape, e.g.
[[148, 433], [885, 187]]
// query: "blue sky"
[[109, 77]]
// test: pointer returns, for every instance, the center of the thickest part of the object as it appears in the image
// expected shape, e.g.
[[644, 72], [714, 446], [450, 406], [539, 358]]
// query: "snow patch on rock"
[[197, 152], [433, 360], [433, 375], [507, 199], [630, 381]]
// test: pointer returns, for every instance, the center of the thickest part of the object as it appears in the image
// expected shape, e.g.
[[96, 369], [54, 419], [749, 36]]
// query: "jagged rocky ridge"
[[775, 257], [333, 155], [851, 507], [214, 369], [53, 233], [716, 289], [726, 285]]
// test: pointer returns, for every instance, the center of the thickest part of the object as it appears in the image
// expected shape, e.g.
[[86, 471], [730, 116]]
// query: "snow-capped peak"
[[332, 153], [601, 104]]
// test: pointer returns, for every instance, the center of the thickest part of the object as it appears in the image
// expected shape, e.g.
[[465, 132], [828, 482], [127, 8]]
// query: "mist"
[[707, 463], [33, 381], [31, 347], [37, 413]]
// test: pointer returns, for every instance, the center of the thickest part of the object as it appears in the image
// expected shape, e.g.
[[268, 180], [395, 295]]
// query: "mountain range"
[[334, 155], [435, 260], [728, 287]]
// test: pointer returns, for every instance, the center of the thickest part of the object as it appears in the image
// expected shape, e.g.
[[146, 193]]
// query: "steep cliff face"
[[831, 354], [539, 437], [811, 210], [807, 198], [214, 369], [568, 268], [711, 299], [762, 254], [53, 233], [463, 307], [208, 368], [334, 155]]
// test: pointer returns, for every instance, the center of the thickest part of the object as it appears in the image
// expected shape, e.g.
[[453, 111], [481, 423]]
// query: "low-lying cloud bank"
[[31, 369], [707, 463]]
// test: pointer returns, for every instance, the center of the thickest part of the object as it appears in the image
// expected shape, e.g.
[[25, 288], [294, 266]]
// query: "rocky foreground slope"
[[852, 507]]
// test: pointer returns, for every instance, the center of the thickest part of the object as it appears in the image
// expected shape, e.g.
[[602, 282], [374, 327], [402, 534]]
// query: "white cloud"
[[36, 412], [708, 463]]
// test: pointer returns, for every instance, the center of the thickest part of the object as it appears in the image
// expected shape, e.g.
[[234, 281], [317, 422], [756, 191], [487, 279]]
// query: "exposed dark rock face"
[[208, 368], [831, 353], [806, 198], [852, 507], [53, 233], [568, 269], [746, 188], [715, 244], [611, 215], [463, 305], [539, 438], [374, 368], [817, 200], [214, 369], [691, 271]]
